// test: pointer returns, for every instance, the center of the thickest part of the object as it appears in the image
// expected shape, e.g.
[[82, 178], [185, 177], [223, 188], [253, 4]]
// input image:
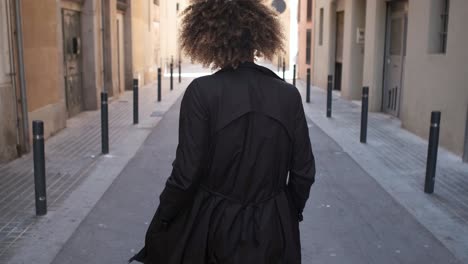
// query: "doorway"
[[73, 60], [395, 52], [339, 49]]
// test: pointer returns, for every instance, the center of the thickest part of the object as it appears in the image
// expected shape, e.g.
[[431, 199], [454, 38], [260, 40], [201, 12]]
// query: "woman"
[[244, 164]]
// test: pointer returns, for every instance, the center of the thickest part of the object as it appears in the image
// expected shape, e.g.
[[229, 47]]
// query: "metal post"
[[180, 71], [279, 64], [172, 76], [329, 95], [364, 113], [432, 152], [284, 69], [135, 102], [159, 84], [294, 75], [104, 123], [465, 154], [308, 86], [39, 168]]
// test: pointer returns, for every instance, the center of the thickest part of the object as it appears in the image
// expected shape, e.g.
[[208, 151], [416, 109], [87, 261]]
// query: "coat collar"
[[254, 66]]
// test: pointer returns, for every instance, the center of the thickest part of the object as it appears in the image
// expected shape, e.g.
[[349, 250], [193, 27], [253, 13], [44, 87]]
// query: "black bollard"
[[135, 102], [364, 113], [294, 75], [180, 71], [308, 86], [39, 168], [432, 152], [329, 95], [284, 70], [172, 76], [104, 123], [159, 84]]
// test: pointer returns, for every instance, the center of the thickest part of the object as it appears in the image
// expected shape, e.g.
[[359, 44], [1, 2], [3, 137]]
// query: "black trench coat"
[[229, 198]]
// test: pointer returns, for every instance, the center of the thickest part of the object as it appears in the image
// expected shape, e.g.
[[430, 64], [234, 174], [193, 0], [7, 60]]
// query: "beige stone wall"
[[41, 47], [8, 132], [91, 25], [324, 53], [374, 50], [145, 29], [285, 19], [169, 37], [43, 63], [430, 81], [111, 55], [305, 25], [353, 52], [436, 81]]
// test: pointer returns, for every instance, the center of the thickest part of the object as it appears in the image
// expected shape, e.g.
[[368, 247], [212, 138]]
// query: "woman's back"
[[251, 132], [229, 199], [244, 165]]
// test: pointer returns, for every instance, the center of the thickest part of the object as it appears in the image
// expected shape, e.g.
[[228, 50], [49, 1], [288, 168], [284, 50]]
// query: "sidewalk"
[[73, 160], [396, 159], [341, 224]]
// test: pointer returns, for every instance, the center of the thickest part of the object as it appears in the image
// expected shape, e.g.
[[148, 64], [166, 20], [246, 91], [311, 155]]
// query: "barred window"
[[309, 10], [438, 26], [444, 17], [308, 46]]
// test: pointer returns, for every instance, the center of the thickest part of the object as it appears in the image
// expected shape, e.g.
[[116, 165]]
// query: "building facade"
[[171, 16], [306, 30], [411, 54], [8, 93], [145, 38], [57, 56], [283, 8]]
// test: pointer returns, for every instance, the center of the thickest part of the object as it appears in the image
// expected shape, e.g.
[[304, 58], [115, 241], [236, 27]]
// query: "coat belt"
[[250, 211]]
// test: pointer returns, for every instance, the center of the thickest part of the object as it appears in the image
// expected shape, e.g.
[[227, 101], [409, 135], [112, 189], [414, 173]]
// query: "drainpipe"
[[13, 74], [24, 102], [103, 37]]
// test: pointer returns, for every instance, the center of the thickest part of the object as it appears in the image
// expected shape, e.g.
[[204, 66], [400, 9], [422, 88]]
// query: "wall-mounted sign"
[[279, 5]]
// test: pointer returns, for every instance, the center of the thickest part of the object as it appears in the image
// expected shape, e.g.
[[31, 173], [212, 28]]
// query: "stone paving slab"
[[70, 157], [396, 158]]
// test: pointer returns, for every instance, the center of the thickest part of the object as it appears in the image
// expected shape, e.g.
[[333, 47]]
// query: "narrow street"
[[350, 218], [90, 94]]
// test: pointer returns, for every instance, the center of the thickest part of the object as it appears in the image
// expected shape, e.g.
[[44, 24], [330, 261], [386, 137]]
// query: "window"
[[309, 10], [444, 17], [321, 27], [299, 11], [439, 26], [396, 36], [308, 46]]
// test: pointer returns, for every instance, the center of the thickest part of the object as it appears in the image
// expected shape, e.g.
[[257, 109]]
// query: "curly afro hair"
[[225, 33]]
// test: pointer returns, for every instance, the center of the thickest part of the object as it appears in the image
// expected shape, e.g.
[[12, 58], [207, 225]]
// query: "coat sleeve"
[[302, 172], [190, 155]]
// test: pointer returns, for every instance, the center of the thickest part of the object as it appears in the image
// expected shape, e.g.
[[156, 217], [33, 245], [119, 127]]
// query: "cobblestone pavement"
[[70, 155], [396, 158]]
